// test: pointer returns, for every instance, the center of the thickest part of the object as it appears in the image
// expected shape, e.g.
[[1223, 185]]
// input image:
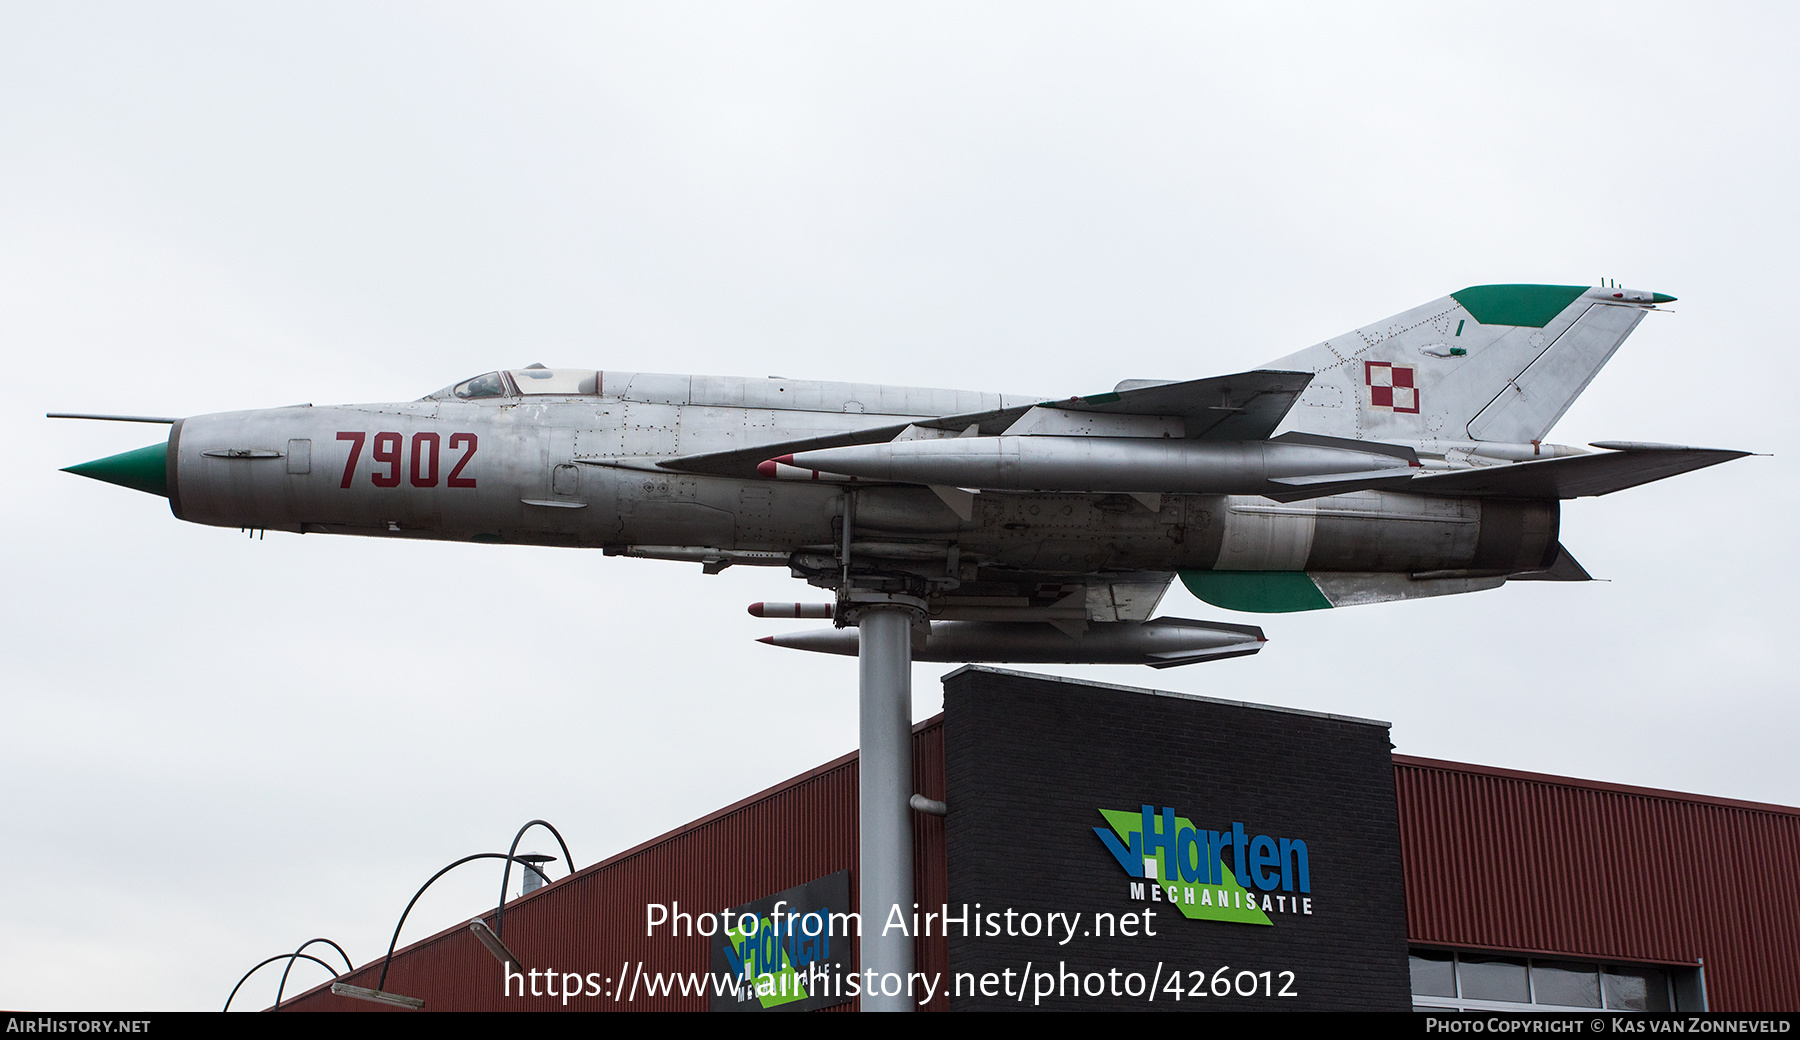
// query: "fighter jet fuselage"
[[584, 472], [1401, 460]]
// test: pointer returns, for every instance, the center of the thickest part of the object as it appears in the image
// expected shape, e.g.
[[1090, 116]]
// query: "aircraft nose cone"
[[146, 469]]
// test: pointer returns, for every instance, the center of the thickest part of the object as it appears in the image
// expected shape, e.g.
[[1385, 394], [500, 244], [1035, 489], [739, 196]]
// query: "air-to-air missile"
[[1401, 460]]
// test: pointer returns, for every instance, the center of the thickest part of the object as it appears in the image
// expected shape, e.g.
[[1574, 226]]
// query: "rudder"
[[1490, 362]]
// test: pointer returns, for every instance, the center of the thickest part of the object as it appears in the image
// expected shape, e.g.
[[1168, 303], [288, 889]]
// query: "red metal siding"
[[594, 921], [1504, 860], [1493, 859]]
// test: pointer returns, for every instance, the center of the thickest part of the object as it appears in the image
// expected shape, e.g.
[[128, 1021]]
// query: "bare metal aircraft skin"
[[1401, 460]]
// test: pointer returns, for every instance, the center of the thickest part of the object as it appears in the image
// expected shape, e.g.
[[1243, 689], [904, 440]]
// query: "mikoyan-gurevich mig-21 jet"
[[1403, 459]]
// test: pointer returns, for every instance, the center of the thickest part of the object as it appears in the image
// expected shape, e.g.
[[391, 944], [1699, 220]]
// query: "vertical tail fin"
[[1488, 363]]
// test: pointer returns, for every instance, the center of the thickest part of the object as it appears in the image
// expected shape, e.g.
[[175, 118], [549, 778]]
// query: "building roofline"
[[742, 803], [1012, 673], [561, 883], [1554, 780]]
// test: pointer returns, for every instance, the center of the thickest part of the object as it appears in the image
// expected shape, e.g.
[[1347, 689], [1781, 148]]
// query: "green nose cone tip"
[[1661, 298], [146, 469]]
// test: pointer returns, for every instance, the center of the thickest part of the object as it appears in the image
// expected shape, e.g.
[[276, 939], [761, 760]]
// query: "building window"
[[1459, 980]]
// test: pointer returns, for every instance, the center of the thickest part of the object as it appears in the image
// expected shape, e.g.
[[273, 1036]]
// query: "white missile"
[[1162, 643], [775, 469], [790, 610], [1287, 466]]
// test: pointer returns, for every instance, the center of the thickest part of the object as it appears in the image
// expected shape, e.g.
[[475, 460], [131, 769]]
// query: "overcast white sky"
[[218, 748]]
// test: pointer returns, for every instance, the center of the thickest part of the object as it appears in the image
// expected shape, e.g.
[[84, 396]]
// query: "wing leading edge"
[[1246, 406]]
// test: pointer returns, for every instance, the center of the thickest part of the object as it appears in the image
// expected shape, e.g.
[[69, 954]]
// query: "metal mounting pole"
[[885, 863], [884, 869]]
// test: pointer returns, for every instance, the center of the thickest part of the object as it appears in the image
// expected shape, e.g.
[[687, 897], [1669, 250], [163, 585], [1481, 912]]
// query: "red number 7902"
[[386, 452]]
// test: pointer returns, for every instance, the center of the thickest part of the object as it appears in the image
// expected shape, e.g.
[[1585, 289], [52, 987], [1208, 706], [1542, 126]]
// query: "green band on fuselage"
[[1260, 592], [1529, 305]]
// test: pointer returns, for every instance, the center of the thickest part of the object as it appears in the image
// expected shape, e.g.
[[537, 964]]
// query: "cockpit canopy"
[[531, 381]]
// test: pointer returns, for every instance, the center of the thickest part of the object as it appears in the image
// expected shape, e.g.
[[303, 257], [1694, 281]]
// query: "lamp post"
[[298, 954], [505, 875], [532, 862]]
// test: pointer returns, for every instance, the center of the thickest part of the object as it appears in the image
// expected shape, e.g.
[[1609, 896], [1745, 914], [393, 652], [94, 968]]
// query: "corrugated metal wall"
[[1503, 860], [594, 921], [1493, 859]]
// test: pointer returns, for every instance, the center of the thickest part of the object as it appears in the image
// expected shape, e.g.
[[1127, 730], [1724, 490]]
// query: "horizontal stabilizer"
[[1577, 476]]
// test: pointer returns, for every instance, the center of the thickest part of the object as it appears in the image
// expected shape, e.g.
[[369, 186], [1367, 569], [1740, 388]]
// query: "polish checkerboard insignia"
[[1391, 387]]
